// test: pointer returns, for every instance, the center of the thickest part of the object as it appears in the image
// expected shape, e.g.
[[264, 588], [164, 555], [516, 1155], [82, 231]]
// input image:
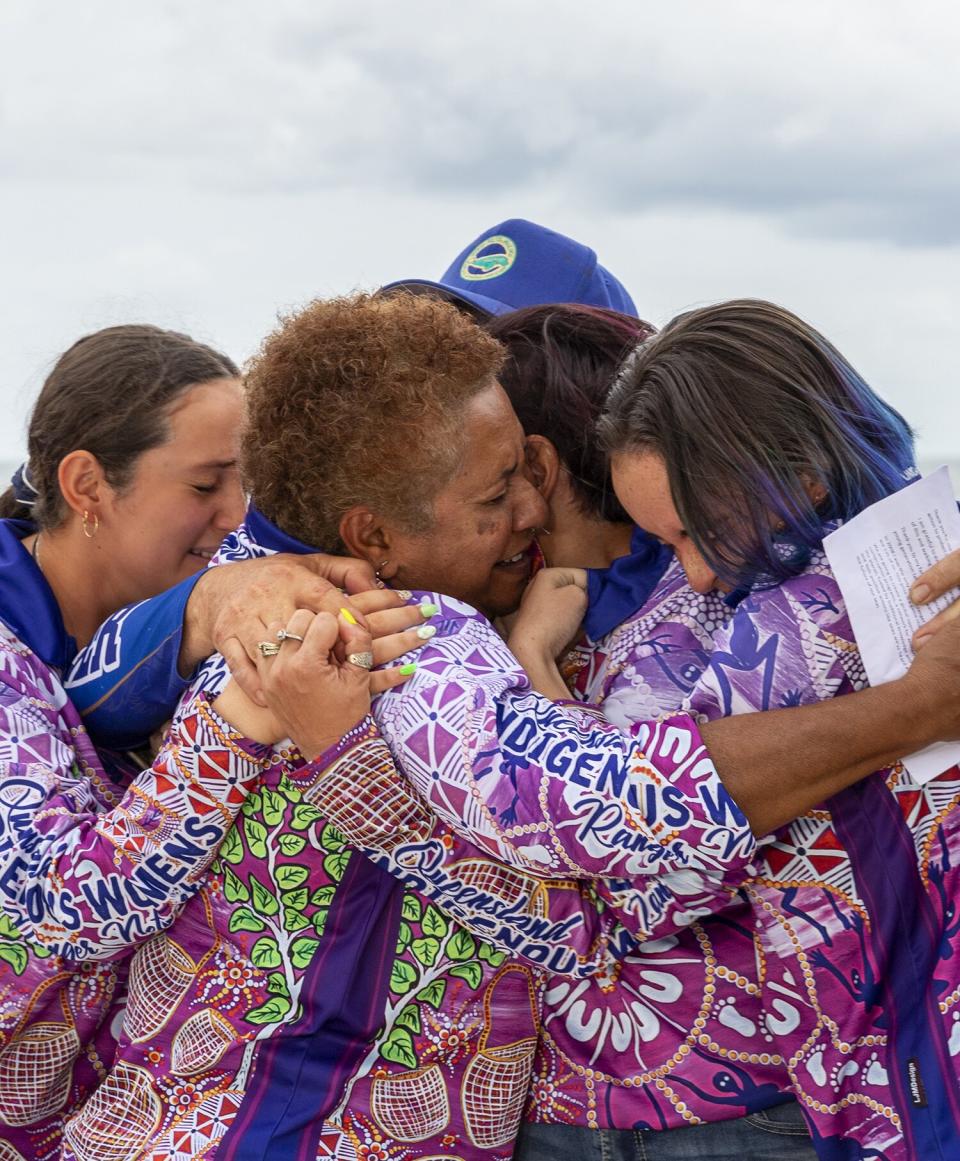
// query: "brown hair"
[[108, 394], [748, 406], [359, 400], [561, 362]]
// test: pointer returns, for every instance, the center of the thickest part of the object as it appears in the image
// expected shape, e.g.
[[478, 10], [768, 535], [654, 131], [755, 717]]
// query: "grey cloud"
[[744, 106]]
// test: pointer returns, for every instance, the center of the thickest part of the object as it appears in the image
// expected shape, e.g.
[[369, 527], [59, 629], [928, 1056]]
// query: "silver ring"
[[268, 648], [361, 660], [283, 635]]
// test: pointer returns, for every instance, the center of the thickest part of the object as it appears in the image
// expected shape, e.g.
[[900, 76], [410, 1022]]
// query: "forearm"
[[88, 885], [358, 787], [779, 764]]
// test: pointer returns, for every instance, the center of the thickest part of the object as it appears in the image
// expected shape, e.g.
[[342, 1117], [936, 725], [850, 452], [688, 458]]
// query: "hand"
[[311, 695], [940, 579], [932, 685], [551, 612], [232, 605], [548, 621]]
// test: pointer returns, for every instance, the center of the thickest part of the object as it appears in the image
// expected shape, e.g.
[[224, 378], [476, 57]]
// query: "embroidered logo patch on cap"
[[491, 258]]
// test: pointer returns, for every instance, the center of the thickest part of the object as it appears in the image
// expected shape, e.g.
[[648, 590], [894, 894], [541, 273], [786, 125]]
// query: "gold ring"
[[361, 660], [268, 648]]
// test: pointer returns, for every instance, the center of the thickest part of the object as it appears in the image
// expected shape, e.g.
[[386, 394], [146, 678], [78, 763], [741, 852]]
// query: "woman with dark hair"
[[740, 437], [130, 486], [307, 1003], [560, 363], [561, 360]]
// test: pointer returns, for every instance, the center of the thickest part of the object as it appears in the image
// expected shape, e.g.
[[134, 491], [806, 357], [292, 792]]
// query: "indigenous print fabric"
[[675, 1034], [857, 957], [307, 1004], [87, 869]]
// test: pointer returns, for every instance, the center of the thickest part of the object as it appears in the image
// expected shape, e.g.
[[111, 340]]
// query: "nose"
[[700, 576], [232, 506], [530, 509]]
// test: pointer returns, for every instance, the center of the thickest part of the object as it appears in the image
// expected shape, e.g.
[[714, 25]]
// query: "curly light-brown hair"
[[359, 400]]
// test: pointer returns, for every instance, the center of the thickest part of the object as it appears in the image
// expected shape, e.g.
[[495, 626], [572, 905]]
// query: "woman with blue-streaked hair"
[[740, 437]]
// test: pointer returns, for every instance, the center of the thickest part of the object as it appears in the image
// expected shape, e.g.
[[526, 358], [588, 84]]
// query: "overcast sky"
[[203, 165]]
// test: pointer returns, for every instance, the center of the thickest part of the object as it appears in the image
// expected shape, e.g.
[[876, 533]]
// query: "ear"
[[82, 482], [365, 535], [815, 489], [543, 464]]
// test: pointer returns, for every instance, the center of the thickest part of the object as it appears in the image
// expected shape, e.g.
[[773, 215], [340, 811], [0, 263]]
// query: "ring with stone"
[[268, 648], [361, 660], [284, 635]]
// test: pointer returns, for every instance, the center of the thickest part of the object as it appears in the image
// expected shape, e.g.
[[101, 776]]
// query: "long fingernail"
[[428, 609], [425, 632], [919, 593], [403, 594], [921, 641], [349, 617], [409, 668]]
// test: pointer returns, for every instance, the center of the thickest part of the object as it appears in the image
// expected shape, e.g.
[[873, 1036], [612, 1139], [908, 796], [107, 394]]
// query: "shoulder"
[[23, 674], [812, 597]]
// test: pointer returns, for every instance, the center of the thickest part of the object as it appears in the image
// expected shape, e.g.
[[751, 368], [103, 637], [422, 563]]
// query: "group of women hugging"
[[380, 776]]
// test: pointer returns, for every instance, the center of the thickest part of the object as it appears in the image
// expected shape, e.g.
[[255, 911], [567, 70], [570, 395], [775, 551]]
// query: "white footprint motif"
[[815, 1067]]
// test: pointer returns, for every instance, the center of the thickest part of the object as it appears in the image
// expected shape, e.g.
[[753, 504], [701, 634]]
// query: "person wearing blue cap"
[[519, 263]]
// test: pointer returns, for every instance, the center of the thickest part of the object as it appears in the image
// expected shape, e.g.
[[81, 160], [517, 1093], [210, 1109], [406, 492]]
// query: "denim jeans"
[[776, 1134]]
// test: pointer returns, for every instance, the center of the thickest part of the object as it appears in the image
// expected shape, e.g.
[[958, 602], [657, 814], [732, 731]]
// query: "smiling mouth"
[[203, 553]]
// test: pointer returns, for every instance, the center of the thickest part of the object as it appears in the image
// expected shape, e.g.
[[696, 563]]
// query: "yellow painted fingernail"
[[349, 617], [409, 668], [428, 609]]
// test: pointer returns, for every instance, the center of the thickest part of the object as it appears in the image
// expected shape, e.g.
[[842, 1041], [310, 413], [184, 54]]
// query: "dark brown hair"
[[751, 408], [108, 394], [359, 400], [561, 362]]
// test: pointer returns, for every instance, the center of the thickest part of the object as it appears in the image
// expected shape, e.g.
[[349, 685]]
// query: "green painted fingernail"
[[425, 632], [428, 609], [410, 667]]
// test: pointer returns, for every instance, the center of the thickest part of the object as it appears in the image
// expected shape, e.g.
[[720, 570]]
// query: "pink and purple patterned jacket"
[[91, 863], [839, 969], [307, 1003]]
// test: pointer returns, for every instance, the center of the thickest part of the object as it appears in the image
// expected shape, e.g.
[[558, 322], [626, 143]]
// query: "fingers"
[[937, 580], [376, 600], [243, 669], [394, 645], [396, 620], [355, 641], [385, 679], [935, 624], [345, 572]]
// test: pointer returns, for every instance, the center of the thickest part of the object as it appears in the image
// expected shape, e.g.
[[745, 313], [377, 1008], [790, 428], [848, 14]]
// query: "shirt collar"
[[27, 603]]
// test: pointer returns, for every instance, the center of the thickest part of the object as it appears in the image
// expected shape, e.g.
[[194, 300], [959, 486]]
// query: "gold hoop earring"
[[86, 528]]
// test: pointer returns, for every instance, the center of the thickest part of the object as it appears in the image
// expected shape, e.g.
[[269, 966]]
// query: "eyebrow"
[[214, 464]]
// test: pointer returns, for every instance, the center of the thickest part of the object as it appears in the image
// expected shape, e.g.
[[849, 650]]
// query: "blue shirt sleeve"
[[125, 683]]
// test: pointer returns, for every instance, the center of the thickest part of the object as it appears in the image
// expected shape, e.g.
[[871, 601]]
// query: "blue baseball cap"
[[519, 263]]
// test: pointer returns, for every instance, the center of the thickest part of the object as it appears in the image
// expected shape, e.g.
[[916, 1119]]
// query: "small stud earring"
[[376, 572]]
